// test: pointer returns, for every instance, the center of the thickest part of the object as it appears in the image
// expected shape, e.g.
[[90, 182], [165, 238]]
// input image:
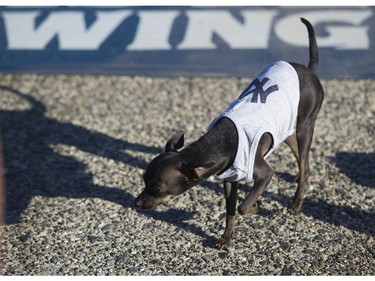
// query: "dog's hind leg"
[[291, 141], [304, 139]]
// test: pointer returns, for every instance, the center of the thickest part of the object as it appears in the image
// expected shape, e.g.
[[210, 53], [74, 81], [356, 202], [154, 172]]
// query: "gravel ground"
[[76, 147]]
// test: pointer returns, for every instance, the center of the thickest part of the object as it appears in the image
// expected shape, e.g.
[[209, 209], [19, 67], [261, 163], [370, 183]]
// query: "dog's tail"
[[313, 46]]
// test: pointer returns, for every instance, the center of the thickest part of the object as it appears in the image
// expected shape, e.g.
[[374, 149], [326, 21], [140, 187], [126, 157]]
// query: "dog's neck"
[[215, 151]]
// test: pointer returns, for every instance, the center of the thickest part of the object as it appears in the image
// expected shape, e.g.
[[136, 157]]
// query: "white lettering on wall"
[[343, 37], [69, 27], [253, 33], [345, 29], [153, 30]]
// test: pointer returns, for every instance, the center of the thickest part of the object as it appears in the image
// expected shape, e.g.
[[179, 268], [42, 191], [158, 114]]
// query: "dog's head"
[[167, 175]]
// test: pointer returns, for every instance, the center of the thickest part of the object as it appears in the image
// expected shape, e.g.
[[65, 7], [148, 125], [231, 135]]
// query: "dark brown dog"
[[173, 172]]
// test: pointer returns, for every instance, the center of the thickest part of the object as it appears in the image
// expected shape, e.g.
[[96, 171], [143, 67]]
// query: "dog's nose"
[[138, 203]]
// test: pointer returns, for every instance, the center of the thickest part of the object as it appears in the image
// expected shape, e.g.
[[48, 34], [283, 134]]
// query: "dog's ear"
[[193, 174], [189, 172], [174, 142]]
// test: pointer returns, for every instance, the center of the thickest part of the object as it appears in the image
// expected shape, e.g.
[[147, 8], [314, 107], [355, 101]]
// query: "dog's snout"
[[143, 202]]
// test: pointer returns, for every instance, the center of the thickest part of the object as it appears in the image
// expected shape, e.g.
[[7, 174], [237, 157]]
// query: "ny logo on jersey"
[[258, 90]]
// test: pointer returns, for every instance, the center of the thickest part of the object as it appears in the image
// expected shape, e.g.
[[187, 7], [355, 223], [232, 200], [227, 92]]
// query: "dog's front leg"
[[230, 191], [262, 176]]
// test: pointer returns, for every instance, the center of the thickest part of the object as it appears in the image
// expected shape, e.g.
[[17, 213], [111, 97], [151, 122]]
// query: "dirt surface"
[[75, 150]]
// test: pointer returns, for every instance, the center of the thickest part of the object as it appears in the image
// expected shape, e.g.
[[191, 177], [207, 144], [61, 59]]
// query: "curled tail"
[[313, 46]]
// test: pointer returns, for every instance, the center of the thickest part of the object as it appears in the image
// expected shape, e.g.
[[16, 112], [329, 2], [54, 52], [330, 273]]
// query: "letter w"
[[69, 27]]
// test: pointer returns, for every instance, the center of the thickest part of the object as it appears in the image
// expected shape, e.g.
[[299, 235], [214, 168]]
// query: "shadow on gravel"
[[33, 168], [348, 217], [179, 218], [359, 167]]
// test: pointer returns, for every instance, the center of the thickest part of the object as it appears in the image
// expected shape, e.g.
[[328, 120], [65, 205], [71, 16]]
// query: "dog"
[[280, 105]]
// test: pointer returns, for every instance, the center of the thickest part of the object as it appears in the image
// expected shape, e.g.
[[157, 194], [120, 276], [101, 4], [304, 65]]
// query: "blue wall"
[[223, 41]]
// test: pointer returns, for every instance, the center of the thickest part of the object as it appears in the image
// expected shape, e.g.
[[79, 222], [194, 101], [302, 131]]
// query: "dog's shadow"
[[351, 218], [358, 166], [33, 168]]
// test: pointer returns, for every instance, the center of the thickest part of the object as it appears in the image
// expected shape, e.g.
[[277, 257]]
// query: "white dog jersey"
[[268, 104]]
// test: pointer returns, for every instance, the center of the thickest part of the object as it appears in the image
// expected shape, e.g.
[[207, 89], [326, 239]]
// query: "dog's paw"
[[294, 206], [223, 244], [244, 210]]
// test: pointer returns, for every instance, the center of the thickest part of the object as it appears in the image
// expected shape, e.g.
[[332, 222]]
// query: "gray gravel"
[[76, 147]]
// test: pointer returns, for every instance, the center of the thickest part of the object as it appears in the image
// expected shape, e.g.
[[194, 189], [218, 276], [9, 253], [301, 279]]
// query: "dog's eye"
[[186, 179], [156, 189]]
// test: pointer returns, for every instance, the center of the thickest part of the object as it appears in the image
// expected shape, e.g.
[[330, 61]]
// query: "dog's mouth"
[[146, 202]]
